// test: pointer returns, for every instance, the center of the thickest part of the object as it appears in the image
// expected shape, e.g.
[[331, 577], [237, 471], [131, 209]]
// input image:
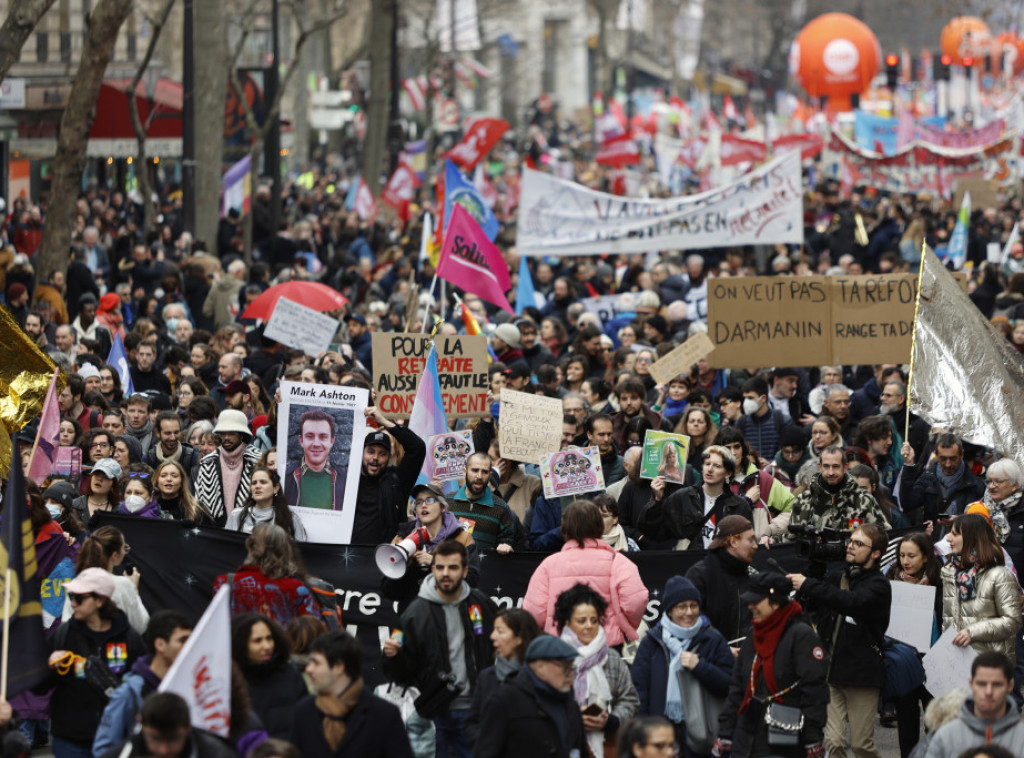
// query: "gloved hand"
[[722, 748], [816, 751]]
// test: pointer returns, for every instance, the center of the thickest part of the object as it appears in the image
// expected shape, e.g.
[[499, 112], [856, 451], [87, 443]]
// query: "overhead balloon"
[[965, 37], [835, 56]]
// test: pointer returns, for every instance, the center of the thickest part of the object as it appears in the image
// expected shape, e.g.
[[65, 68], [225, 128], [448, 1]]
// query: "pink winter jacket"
[[610, 574]]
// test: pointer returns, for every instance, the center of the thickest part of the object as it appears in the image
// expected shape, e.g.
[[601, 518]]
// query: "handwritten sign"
[[398, 361], [529, 426], [946, 665], [448, 453], [682, 358], [305, 329], [573, 471], [811, 320], [664, 455], [912, 613]]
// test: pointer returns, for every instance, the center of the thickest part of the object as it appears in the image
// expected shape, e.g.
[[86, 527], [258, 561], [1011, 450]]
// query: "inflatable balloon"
[[965, 37], [835, 56], [1007, 48]]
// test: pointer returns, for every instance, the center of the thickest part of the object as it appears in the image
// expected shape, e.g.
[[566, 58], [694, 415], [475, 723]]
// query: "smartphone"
[[593, 710]]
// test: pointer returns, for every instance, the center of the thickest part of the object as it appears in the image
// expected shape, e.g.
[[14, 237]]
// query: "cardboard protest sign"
[[664, 455], [305, 329], [947, 666], [320, 433], [872, 318], [910, 617], [447, 454], [529, 426], [398, 360], [573, 471], [682, 358]]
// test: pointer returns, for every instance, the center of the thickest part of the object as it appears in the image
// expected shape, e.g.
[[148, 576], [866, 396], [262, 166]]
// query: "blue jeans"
[[451, 740], [33, 727], [64, 749]]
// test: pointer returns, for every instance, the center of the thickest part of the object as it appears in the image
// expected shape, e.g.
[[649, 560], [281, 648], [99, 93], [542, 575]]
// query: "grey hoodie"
[[968, 730], [456, 634]]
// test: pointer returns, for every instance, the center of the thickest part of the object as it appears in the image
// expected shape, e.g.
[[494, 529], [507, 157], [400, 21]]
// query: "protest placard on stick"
[[664, 455], [305, 329], [573, 471], [681, 359], [528, 426], [448, 453]]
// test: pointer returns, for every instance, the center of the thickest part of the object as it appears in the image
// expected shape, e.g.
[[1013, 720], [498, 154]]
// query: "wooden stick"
[[7, 632], [913, 339]]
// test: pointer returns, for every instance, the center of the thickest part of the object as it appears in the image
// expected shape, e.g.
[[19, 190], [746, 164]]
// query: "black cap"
[[61, 492], [767, 584], [433, 489], [378, 438]]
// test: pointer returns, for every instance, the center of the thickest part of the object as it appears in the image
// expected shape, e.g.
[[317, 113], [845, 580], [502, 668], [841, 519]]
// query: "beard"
[[888, 410]]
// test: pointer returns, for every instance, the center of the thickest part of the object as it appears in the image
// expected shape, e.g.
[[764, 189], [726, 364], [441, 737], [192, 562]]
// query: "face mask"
[[172, 325], [54, 510], [134, 503], [750, 406]]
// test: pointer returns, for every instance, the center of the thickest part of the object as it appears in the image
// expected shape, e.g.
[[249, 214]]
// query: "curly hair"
[[572, 598]]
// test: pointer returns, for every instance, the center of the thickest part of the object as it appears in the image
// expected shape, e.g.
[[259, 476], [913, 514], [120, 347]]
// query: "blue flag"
[[458, 189], [525, 293], [350, 197], [119, 360], [28, 650]]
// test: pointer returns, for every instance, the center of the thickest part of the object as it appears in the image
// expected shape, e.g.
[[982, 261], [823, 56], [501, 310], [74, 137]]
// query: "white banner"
[[201, 673], [764, 206]]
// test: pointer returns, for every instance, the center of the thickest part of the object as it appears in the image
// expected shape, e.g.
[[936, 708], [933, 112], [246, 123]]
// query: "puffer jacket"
[[599, 566], [992, 617]]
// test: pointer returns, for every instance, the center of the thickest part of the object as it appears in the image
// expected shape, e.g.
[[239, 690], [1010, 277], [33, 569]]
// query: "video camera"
[[820, 545]]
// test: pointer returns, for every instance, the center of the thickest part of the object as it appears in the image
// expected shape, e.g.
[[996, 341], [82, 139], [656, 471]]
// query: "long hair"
[[522, 625], [932, 568], [712, 428], [980, 544], [582, 520], [271, 550], [282, 514], [191, 509], [98, 548], [117, 393], [241, 630]]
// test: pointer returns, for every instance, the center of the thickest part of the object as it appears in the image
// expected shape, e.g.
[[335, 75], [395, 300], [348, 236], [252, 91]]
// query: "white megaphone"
[[393, 560]]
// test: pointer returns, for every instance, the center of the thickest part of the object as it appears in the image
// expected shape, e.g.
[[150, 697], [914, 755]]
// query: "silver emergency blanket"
[[967, 377]]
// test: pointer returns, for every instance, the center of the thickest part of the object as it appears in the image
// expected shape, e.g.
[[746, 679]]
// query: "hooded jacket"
[[968, 730]]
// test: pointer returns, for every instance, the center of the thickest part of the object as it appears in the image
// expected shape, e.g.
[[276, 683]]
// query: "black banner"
[[178, 564]]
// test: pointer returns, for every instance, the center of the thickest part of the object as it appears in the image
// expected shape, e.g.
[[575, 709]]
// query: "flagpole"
[[913, 338], [426, 308], [7, 629]]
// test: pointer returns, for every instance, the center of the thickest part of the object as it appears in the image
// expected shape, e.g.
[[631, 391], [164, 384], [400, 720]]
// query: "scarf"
[[677, 639], [950, 481], [899, 575], [591, 686], [674, 407], [449, 526], [966, 577], [617, 539], [767, 634], [175, 456], [336, 710], [140, 434], [505, 667], [998, 512], [231, 474]]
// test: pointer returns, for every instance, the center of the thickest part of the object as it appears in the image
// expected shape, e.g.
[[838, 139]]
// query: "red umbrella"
[[313, 295]]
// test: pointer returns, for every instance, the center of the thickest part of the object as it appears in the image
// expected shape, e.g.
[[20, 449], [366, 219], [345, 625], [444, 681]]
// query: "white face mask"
[[750, 406], [135, 503], [53, 509]]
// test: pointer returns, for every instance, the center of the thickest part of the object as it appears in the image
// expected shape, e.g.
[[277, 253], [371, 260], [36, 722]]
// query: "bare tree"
[[211, 77], [258, 133], [22, 18], [145, 186], [378, 110], [103, 25]]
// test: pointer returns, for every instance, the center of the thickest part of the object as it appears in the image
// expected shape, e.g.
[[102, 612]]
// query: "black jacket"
[[721, 578], [856, 657], [537, 356], [189, 459], [1014, 542], [201, 744], [518, 724], [373, 729], [923, 498], [76, 707], [635, 497], [274, 688], [681, 516], [424, 651], [799, 655], [382, 502]]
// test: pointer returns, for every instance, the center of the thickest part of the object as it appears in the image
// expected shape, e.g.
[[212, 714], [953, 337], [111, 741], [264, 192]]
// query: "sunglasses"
[[138, 475], [77, 598]]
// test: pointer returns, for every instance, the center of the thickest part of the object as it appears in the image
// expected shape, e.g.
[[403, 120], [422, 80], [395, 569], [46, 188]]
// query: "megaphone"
[[393, 560]]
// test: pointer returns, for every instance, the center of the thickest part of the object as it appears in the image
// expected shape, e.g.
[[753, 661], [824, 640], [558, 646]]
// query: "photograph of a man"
[[314, 482]]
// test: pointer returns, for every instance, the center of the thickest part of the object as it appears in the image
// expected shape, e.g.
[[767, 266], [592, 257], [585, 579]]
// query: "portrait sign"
[[320, 434], [664, 455]]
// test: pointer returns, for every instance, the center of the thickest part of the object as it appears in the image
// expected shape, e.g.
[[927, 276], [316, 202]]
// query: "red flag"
[[618, 152], [690, 152], [416, 89], [400, 187], [481, 135], [487, 190], [738, 150], [471, 261], [810, 145], [729, 108], [365, 205]]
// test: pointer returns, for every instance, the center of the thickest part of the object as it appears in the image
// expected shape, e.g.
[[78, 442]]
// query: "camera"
[[820, 544]]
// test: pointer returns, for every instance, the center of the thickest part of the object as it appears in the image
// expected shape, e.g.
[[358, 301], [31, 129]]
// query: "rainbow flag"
[[473, 328]]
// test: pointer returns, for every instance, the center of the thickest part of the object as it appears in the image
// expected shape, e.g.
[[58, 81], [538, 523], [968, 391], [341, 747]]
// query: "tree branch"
[[22, 18]]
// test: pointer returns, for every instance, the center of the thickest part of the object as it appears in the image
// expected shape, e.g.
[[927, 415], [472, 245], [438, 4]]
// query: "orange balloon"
[[965, 36], [835, 56], [1009, 48]]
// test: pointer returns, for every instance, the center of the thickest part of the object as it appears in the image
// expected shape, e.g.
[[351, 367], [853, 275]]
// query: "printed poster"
[[573, 471], [664, 455], [448, 453]]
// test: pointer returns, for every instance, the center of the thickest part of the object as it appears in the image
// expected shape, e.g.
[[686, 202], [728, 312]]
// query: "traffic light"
[[968, 61], [892, 70], [941, 72]]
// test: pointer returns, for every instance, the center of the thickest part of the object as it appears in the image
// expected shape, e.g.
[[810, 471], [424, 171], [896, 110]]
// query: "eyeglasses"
[[77, 598], [138, 475], [567, 667], [998, 482], [664, 747], [424, 501], [97, 445], [857, 543], [644, 360]]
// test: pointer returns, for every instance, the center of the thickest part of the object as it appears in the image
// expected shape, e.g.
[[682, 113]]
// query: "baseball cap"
[[95, 580], [767, 584], [108, 467], [233, 388], [60, 492], [357, 317], [433, 489], [548, 648], [730, 526], [378, 437]]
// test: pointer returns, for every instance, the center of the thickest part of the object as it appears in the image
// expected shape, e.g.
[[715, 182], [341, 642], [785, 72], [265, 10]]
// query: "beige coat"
[[992, 617]]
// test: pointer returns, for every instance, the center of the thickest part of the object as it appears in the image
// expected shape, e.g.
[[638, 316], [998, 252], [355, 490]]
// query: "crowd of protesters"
[[738, 661]]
